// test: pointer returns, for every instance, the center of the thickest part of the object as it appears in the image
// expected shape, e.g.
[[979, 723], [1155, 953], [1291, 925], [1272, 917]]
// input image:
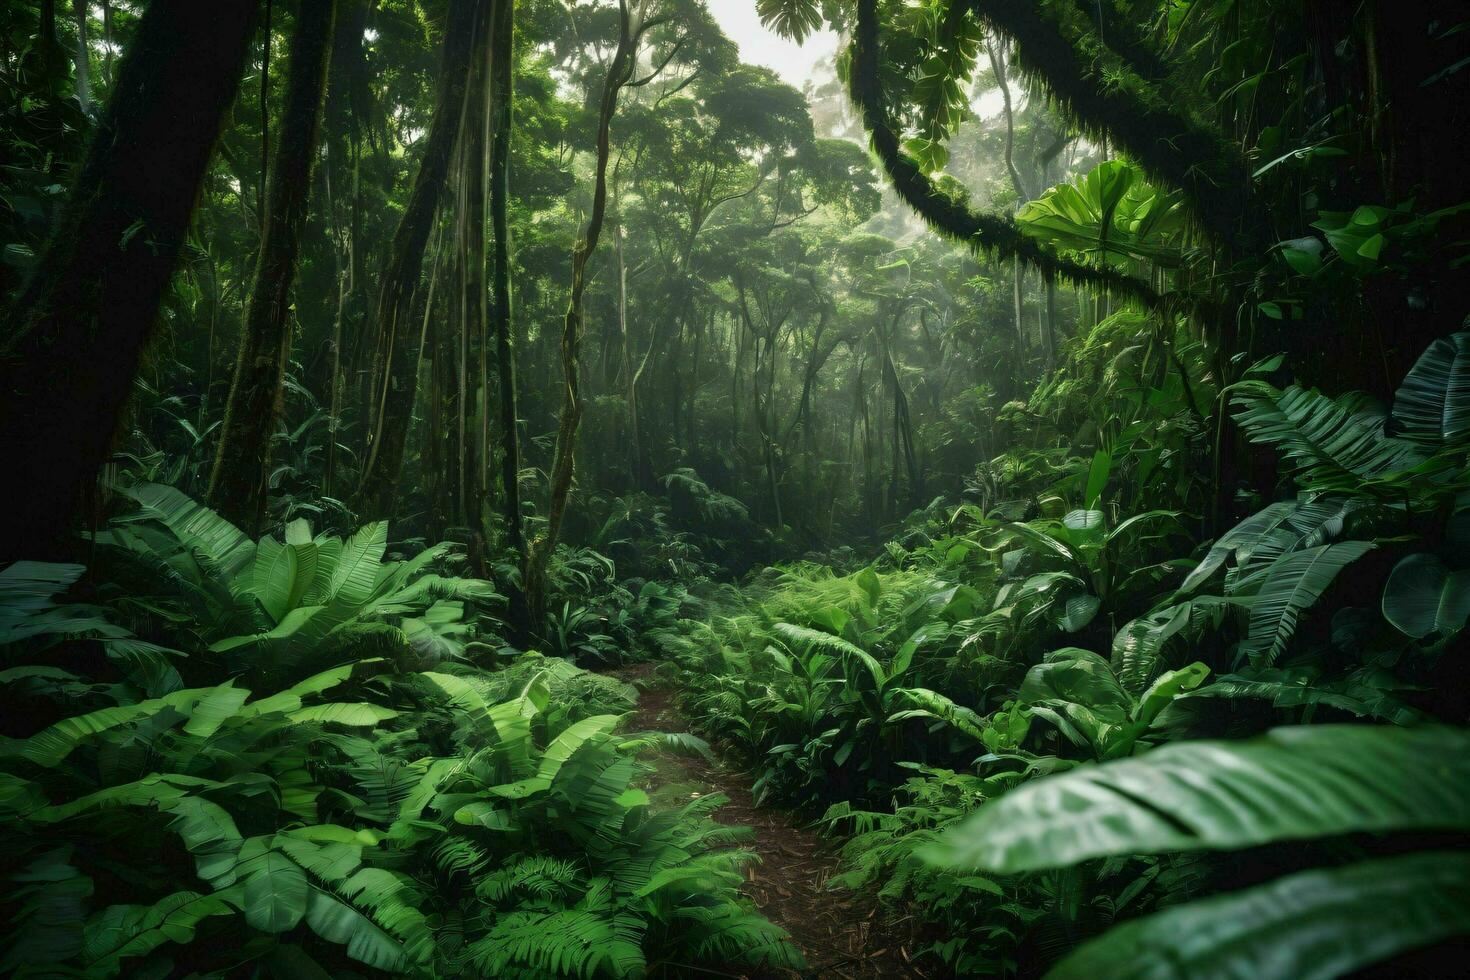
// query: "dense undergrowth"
[[304, 732], [1023, 731], [1033, 445], [947, 704]]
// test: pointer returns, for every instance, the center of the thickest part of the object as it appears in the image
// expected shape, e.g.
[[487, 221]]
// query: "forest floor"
[[842, 933]]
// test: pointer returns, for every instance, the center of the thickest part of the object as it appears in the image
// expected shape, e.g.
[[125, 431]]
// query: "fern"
[[570, 942], [1291, 586], [1335, 444]]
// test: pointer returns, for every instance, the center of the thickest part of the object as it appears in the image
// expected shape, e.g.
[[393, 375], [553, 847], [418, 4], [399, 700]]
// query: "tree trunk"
[[997, 64], [502, 81], [630, 377], [239, 485], [1049, 325], [473, 159], [107, 41], [1018, 295], [76, 334], [83, 58], [343, 114], [47, 56], [619, 74], [397, 361]]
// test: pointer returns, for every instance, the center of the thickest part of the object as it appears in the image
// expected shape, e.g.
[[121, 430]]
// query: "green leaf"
[[1077, 611], [1433, 403], [201, 529], [1335, 443], [1291, 586], [1097, 478], [359, 714], [356, 571], [276, 894], [792, 19], [1164, 690], [51, 746], [214, 709], [872, 586], [1314, 925], [337, 922], [274, 580], [123, 931], [293, 623], [1304, 255], [1424, 597], [1290, 784], [1367, 692]]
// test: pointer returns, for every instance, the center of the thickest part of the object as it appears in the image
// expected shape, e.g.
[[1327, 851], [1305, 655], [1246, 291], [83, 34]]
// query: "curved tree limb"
[[1171, 147], [997, 235], [1120, 37]]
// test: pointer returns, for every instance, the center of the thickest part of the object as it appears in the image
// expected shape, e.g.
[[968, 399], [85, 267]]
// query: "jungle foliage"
[[1037, 452]]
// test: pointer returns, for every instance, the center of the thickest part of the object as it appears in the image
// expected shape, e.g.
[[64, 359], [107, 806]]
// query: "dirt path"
[[842, 934]]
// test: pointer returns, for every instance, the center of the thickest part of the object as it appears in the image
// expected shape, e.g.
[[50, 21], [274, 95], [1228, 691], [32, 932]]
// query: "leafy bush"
[[423, 821]]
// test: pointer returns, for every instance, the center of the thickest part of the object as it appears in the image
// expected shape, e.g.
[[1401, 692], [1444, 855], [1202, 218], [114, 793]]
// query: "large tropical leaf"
[[1314, 925], [1432, 406], [507, 726], [359, 714], [793, 19], [337, 922], [1422, 597], [1291, 586], [1139, 645], [291, 626], [52, 745], [276, 894], [1367, 692], [1268, 534], [222, 544], [356, 571], [1291, 783], [28, 606], [556, 755], [932, 704], [119, 932], [1242, 535], [1111, 214], [1335, 443], [278, 579]]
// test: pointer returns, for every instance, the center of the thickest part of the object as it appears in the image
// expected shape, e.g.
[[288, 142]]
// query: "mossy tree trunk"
[[76, 334], [502, 61], [396, 365], [538, 557], [238, 485]]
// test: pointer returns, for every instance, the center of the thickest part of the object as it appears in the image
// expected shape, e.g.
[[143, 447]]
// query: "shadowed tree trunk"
[[83, 57], [92, 302], [398, 343], [239, 484], [472, 161], [343, 115], [502, 66]]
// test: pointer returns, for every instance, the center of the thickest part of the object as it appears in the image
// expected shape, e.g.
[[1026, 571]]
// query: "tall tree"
[[503, 75], [239, 483], [91, 303], [83, 57], [396, 365], [619, 75]]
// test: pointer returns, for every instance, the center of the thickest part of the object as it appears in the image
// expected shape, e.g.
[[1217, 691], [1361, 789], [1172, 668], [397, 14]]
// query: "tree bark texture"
[[91, 304], [239, 483]]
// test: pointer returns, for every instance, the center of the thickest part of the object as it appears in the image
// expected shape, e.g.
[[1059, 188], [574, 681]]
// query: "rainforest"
[[765, 489]]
